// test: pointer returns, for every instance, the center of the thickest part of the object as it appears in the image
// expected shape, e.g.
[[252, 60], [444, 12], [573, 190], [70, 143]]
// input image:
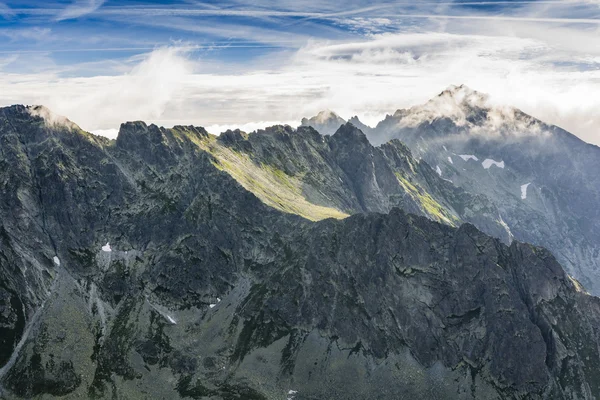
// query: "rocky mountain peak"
[[326, 116], [350, 133], [232, 136], [465, 96], [360, 125], [456, 103], [138, 131], [50, 118], [195, 130], [462, 108], [326, 122]]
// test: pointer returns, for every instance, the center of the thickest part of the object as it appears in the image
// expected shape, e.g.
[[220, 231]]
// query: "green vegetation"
[[429, 206], [271, 185]]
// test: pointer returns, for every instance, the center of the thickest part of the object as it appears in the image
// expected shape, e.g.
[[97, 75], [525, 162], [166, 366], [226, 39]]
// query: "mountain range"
[[355, 263], [542, 180]]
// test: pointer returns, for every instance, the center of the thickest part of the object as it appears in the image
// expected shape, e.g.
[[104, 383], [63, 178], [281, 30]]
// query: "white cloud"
[[79, 8], [104, 102], [35, 33], [6, 11], [369, 78], [109, 133], [247, 127]]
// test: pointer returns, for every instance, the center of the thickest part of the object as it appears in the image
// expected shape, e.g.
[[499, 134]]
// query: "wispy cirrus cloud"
[[33, 33], [79, 8], [377, 11], [5, 11], [250, 61]]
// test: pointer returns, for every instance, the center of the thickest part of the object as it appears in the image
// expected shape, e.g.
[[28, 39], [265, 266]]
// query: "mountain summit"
[[326, 122], [541, 178]]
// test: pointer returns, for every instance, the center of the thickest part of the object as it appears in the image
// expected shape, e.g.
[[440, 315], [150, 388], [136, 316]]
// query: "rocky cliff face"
[[144, 268], [541, 179], [343, 174]]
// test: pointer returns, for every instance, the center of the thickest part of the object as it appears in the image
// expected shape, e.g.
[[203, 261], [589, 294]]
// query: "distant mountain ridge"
[[542, 179]]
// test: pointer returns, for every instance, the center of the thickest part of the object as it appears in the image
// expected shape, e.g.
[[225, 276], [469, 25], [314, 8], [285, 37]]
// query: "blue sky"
[[251, 63]]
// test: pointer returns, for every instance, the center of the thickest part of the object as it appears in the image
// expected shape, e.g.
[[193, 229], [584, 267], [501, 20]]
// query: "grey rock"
[[207, 292]]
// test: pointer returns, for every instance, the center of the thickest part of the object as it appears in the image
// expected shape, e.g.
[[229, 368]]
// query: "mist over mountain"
[[540, 178], [329, 261]]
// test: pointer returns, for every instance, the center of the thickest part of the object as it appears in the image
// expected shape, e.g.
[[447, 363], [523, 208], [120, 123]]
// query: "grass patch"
[[428, 204], [271, 185]]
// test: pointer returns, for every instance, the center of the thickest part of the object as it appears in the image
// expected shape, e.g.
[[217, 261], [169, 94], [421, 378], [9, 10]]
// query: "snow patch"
[[163, 311], [445, 149], [106, 248], [507, 229], [450, 160], [488, 162], [438, 170], [214, 304], [577, 285], [524, 190], [56, 261], [468, 157], [291, 394]]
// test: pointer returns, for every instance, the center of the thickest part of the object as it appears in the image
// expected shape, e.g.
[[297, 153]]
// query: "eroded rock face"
[[495, 152], [176, 282], [345, 173]]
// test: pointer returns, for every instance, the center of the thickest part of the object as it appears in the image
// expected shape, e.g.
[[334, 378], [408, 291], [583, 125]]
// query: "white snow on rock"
[[450, 160], [291, 394], [524, 190], [488, 162], [56, 261], [438, 170], [106, 247], [507, 229], [445, 149], [468, 157], [163, 311], [214, 304]]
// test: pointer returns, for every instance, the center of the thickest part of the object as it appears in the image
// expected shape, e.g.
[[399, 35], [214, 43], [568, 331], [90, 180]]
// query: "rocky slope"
[[343, 174], [140, 268], [542, 180]]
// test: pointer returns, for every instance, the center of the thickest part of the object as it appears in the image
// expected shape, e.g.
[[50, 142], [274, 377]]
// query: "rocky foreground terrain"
[[171, 263]]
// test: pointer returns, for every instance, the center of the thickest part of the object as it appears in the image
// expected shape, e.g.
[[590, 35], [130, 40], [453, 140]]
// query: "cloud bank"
[[526, 66]]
